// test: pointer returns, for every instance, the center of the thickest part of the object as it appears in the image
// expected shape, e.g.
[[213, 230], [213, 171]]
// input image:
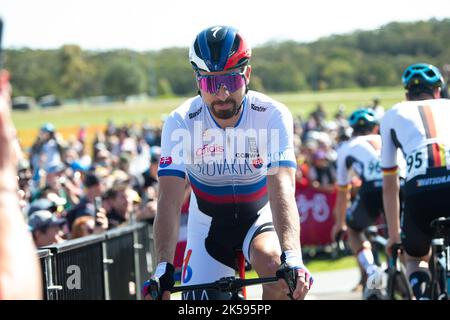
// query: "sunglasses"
[[212, 83]]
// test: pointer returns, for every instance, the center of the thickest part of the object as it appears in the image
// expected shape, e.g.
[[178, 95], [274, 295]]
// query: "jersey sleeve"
[[342, 174], [280, 148], [172, 154], [388, 148]]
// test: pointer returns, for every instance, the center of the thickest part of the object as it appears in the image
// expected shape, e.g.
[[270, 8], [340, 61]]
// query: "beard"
[[227, 113]]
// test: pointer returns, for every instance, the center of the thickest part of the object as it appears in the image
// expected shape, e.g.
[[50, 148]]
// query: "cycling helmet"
[[219, 48], [422, 74], [362, 118], [48, 127]]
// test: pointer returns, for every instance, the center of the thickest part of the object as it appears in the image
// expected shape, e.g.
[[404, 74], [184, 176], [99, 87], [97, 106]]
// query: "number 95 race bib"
[[419, 161]]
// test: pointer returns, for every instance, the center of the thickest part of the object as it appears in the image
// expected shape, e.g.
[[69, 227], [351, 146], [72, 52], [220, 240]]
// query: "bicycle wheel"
[[398, 286]]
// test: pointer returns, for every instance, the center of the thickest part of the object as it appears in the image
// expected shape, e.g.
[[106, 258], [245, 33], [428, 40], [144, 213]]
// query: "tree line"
[[358, 59]]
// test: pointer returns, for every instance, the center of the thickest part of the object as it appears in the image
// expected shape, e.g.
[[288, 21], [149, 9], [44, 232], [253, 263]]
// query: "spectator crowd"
[[72, 188]]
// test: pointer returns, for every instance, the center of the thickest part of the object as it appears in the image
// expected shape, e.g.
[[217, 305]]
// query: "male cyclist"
[[360, 155], [235, 147], [419, 127]]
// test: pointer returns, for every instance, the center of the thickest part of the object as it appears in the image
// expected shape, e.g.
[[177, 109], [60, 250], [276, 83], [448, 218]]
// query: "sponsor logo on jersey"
[[165, 162], [208, 149], [433, 181], [187, 270], [258, 163], [246, 155], [194, 114], [257, 108]]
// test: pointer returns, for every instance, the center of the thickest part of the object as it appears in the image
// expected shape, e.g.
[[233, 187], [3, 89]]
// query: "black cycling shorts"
[[426, 199], [366, 207]]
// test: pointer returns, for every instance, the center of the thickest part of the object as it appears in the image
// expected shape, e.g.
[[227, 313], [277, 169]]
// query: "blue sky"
[[150, 25]]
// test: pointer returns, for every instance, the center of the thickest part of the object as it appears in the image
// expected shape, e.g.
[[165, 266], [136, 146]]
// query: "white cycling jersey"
[[227, 168], [421, 131], [362, 155]]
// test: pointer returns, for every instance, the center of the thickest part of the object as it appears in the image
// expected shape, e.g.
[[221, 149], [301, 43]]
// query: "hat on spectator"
[[155, 154], [133, 195], [320, 155], [83, 209], [48, 127], [42, 204], [55, 167], [56, 199], [100, 146], [23, 164], [120, 177], [79, 166], [42, 219], [91, 179]]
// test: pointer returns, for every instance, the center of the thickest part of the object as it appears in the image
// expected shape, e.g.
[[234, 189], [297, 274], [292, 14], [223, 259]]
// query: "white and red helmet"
[[219, 48]]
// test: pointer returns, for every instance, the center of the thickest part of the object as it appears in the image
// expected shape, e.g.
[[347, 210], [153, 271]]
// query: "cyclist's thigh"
[[201, 264], [198, 264], [415, 240]]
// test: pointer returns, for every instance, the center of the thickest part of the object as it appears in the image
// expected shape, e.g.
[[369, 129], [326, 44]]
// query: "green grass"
[[318, 265], [68, 119]]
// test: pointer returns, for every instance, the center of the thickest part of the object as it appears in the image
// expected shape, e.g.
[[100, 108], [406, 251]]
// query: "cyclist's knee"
[[264, 257], [265, 264]]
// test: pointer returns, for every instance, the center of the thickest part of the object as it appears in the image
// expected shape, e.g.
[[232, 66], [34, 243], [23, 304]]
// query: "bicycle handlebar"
[[227, 284]]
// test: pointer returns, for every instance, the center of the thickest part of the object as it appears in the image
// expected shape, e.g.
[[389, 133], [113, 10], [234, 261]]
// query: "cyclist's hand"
[[159, 285], [338, 230], [297, 279], [391, 241]]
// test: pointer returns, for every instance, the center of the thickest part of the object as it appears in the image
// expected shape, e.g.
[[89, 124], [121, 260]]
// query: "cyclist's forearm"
[[284, 210], [391, 204], [342, 198], [167, 220], [166, 228]]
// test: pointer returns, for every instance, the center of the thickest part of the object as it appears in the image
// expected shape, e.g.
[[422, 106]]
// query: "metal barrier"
[[120, 264], [108, 266], [144, 253]]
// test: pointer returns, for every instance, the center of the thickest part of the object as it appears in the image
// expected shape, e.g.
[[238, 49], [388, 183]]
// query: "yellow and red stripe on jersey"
[[390, 171], [344, 187], [436, 152]]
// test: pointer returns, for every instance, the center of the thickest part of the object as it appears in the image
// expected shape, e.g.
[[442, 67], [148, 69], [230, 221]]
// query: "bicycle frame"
[[397, 283], [440, 260]]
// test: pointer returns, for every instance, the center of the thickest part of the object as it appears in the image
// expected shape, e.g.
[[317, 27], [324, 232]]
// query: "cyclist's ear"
[[248, 71]]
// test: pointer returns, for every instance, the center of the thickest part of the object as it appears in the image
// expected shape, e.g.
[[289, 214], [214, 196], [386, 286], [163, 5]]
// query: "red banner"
[[316, 216]]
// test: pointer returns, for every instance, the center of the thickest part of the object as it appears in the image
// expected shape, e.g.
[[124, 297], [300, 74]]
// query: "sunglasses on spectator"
[[212, 83]]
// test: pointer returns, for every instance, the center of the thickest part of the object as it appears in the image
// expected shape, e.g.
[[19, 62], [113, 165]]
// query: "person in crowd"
[[46, 228]]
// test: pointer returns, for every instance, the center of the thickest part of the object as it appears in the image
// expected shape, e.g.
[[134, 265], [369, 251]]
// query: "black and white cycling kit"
[[227, 171], [420, 130], [361, 155]]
